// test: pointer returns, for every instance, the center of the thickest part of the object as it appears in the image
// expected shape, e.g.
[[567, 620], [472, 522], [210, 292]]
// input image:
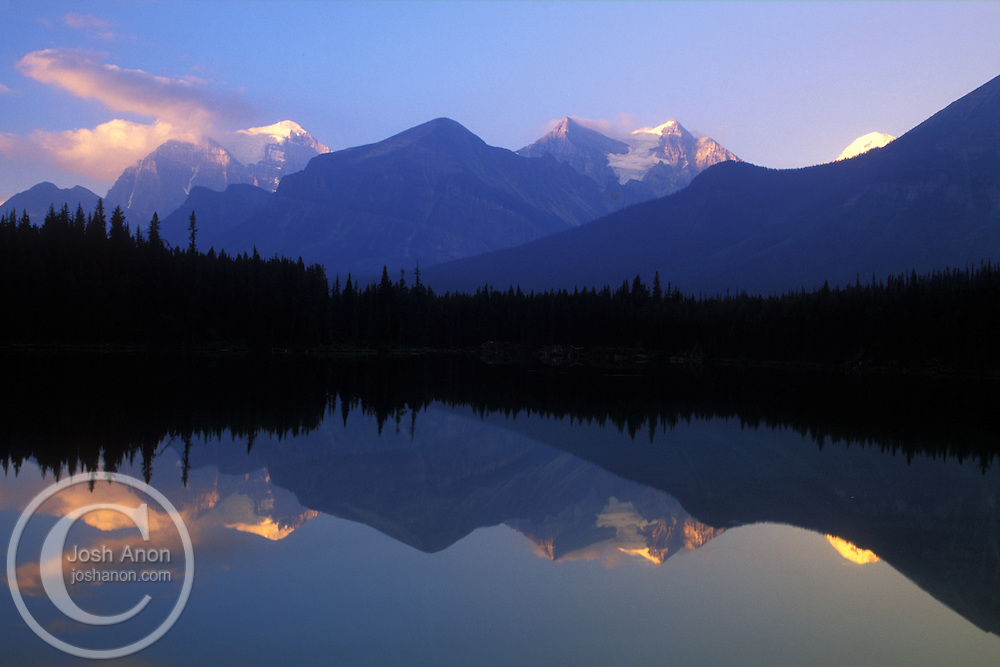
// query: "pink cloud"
[[183, 108], [183, 102], [85, 21]]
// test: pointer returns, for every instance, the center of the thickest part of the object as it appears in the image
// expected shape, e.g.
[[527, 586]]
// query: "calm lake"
[[427, 512]]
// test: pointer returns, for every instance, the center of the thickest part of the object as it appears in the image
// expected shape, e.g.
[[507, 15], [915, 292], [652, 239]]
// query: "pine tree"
[[96, 224], [193, 232], [79, 223], [119, 236], [155, 240]]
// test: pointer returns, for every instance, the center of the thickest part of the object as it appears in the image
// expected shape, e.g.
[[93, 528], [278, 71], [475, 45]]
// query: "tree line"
[[86, 279], [82, 278], [76, 411]]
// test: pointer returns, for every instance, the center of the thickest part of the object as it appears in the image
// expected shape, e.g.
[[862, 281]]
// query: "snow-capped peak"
[[670, 127], [562, 128], [257, 144], [281, 130], [865, 143]]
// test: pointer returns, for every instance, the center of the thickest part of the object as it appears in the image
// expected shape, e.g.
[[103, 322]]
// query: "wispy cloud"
[[623, 124], [98, 27], [183, 108], [4, 89]]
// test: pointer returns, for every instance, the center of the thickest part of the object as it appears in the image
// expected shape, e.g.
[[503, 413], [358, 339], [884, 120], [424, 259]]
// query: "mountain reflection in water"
[[669, 465], [454, 474]]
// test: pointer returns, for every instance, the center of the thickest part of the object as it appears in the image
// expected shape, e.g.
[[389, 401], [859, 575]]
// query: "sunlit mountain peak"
[[271, 151], [852, 552], [281, 130], [653, 557], [865, 143], [270, 529], [250, 503], [563, 127], [666, 157], [670, 127]]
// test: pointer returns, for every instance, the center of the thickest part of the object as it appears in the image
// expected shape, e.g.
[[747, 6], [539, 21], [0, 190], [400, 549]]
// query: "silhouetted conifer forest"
[[81, 278], [71, 411]]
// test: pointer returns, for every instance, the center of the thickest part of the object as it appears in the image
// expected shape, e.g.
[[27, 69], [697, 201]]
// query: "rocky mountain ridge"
[[162, 180], [650, 162]]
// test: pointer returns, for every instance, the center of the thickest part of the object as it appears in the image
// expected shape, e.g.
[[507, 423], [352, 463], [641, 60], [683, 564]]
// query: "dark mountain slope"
[[928, 200], [430, 194], [216, 214]]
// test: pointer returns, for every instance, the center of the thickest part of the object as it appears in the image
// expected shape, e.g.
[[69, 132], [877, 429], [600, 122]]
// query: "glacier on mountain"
[[865, 143], [256, 144]]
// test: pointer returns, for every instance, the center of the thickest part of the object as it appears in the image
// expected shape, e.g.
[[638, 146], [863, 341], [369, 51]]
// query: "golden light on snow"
[[865, 143], [852, 552], [657, 558], [671, 126], [269, 529], [282, 129]]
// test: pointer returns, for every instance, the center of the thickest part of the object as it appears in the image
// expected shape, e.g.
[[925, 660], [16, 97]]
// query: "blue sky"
[[86, 88]]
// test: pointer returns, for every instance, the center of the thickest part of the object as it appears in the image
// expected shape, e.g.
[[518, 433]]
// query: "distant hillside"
[[37, 200]]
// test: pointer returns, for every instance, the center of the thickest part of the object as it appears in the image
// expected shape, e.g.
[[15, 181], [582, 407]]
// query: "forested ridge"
[[83, 278]]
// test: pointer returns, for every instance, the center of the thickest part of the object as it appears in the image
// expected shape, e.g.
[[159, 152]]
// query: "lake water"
[[440, 531]]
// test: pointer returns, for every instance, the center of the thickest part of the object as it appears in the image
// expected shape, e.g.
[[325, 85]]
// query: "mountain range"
[[577, 208], [430, 194], [162, 181], [928, 200]]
